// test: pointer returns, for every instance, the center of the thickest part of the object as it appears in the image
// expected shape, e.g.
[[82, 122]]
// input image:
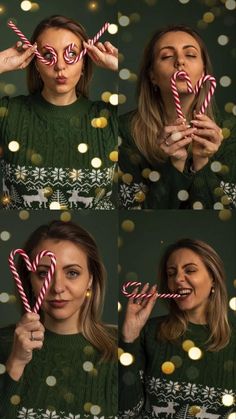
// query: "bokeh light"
[[26, 5], [126, 359]]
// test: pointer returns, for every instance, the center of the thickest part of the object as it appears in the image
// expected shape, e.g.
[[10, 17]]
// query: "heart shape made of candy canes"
[[32, 267], [182, 75]]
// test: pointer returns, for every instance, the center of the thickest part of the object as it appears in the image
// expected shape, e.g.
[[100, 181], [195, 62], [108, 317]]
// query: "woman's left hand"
[[104, 55], [206, 140]]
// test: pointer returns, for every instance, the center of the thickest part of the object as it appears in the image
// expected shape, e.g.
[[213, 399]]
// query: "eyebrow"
[[44, 265], [184, 266], [173, 48], [75, 46]]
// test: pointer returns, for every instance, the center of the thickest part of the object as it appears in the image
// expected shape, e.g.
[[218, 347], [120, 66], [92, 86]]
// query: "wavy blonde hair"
[[34, 82], [92, 328], [175, 324], [149, 119]]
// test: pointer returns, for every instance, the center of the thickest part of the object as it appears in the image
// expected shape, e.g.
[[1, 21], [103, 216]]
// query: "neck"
[[197, 316], [59, 99], [62, 327], [186, 101]]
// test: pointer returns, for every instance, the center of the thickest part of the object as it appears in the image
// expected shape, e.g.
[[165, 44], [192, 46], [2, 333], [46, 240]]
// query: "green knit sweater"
[[162, 186], [48, 168], [193, 390], [64, 380]]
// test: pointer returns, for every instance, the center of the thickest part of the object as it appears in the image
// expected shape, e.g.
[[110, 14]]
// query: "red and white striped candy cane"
[[183, 76], [145, 294], [52, 60], [201, 81], [27, 42], [32, 267], [93, 41]]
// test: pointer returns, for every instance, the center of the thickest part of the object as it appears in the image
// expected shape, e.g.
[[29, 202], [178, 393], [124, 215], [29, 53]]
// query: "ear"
[[152, 78]]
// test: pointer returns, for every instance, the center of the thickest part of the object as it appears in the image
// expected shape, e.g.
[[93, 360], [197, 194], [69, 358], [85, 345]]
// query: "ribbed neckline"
[[80, 106], [77, 338]]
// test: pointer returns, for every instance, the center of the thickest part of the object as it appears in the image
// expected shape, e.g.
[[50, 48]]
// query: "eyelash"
[[69, 274], [172, 56], [189, 271]]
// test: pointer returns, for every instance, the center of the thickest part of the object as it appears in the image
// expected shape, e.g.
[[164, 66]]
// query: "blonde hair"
[[34, 82], [92, 328], [175, 324], [149, 119]]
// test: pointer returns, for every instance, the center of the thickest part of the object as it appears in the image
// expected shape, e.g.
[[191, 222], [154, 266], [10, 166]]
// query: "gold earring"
[[88, 293], [212, 290]]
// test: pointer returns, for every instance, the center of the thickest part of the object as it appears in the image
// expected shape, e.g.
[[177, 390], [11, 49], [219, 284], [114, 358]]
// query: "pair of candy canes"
[[32, 267], [68, 50]]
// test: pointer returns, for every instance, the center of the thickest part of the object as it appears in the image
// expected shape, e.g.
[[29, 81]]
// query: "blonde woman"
[[162, 155], [164, 378], [61, 362]]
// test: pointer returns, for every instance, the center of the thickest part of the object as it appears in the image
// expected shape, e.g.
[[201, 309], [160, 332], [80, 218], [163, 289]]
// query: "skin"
[[70, 283], [176, 51], [185, 269]]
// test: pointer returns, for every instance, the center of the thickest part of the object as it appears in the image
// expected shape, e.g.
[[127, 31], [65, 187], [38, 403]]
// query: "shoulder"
[[15, 102]]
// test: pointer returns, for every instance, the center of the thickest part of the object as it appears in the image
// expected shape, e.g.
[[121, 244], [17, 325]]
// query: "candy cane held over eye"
[[27, 42], [93, 41], [32, 267], [182, 75], [145, 294]]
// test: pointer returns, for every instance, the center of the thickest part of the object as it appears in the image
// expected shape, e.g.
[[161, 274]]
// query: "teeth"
[[184, 292]]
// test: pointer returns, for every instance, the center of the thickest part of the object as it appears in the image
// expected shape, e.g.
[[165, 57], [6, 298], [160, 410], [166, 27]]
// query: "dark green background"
[[141, 249], [101, 224], [92, 21], [154, 14]]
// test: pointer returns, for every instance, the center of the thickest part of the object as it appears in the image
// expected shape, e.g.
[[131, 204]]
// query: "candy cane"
[[183, 76], [53, 60], [210, 92], [27, 42], [93, 41], [145, 294], [32, 267]]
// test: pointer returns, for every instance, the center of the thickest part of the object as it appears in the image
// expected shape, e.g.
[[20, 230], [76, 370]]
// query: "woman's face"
[[187, 275], [61, 78], [71, 280], [176, 51]]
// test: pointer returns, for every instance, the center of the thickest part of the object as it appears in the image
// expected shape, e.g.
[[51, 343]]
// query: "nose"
[[60, 64], [58, 284], [179, 277], [179, 62]]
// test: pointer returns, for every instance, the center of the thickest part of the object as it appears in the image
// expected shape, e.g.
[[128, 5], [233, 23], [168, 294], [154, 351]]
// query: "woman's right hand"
[[17, 57], [137, 314], [22, 350], [174, 140]]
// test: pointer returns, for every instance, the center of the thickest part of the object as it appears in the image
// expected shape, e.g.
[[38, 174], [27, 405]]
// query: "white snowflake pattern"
[[109, 174], [39, 173], [21, 172], [58, 174], [209, 392], [172, 387], [228, 393], [50, 415], [26, 414], [95, 175], [154, 383], [230, 190], [71, 416], [76, 175], [190, 389], [125, 191]]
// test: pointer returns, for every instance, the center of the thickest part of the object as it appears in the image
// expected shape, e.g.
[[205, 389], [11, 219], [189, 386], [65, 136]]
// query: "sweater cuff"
[[9, 388]]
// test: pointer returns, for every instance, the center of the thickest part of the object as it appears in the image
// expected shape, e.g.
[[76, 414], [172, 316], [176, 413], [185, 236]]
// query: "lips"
[[184, 292], [58, 303], [61, 80]]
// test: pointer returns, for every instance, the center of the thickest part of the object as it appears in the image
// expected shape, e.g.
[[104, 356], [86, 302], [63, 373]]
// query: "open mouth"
[[184, 292]]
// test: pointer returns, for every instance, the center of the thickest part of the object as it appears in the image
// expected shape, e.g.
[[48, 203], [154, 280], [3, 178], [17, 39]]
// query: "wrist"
[[178, 164], [15, 368], [198, 163]]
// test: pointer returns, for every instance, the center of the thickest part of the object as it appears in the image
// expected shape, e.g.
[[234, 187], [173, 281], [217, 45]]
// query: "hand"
[[137, 314], [174, 139], [23, 345], [17, 57], [104, 55], [206, 140]]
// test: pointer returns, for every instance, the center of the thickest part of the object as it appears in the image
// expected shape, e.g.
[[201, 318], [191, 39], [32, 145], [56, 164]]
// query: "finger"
[[28, 318], [100, 46], [153, 291], [210, 134], [132, 299], [36, 335], [205, 124], [110, 48], [30, 327], [26, 62], [206, 143], [178, 145], [178, 136]]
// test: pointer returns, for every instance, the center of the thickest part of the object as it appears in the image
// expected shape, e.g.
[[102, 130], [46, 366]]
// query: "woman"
[[165, 161], [166, 376], [64, 141], [61, 362]]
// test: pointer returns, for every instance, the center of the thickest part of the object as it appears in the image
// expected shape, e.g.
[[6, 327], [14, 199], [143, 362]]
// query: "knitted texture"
[[64, 380], [162, 186], [194, 389], [49, 168]]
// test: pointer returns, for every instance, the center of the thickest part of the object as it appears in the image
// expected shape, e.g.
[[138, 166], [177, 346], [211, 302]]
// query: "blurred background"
[[27, 14], [144, 236], [213, 19], [16, 226]]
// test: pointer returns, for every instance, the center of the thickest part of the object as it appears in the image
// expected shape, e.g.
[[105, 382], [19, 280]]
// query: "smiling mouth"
[[184, 292]]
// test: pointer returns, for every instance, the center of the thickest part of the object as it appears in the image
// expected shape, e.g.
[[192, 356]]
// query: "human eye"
[[170, 274], [72, 274], [190, 270], [166, 57], [72, 54], [47, 56], [42, 273]]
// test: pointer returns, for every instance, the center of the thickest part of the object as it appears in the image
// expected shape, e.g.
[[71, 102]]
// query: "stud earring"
[[88, 293], [212, 290]]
